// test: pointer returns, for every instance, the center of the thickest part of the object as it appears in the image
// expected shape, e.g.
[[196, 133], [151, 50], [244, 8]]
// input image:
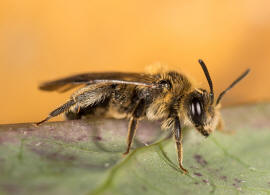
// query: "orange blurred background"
[[44, 40]]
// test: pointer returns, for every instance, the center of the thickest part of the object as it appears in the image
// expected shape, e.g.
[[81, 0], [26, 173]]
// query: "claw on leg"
[[180, 157]]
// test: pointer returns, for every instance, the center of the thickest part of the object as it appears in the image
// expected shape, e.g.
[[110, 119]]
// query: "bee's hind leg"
[[58, 111], [138, 111]]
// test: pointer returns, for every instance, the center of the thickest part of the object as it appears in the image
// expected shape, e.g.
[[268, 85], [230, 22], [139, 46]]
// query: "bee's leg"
[[58, 111], [131, 132], [86, 96], [178, 139], [138, 111]]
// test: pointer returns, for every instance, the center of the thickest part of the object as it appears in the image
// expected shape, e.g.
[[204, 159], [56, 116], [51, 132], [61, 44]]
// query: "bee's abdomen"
[[97, 110], [119, 104]]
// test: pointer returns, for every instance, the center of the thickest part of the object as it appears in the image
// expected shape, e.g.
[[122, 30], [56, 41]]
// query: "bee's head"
[[202, 114], [200, 106]]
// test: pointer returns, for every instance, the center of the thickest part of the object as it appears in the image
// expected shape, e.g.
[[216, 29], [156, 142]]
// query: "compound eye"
[[196, 110], [165, 84]]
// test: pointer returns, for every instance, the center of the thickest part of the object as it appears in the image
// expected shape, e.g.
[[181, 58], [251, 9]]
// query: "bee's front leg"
[[178, 139]]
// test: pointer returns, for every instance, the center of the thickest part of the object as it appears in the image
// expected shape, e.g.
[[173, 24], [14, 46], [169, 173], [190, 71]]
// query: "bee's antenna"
[[208, 79], [231, 86]]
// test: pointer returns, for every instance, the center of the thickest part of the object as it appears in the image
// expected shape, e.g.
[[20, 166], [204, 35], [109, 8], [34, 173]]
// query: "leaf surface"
[[83, 157]]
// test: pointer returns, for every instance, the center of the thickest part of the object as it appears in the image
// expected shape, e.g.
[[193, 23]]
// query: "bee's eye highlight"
[[165, 84], [196, 110]]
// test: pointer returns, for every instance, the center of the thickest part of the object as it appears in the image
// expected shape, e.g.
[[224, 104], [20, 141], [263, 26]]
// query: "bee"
[[169, 97]]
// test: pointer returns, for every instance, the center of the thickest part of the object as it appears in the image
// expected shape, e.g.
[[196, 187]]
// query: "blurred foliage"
[[43, 40], [82, 157]]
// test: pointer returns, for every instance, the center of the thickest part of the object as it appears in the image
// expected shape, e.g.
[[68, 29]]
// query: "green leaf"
[[82, 157]]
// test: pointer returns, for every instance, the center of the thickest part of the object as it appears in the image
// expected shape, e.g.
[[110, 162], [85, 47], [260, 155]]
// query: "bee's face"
[[202, 114]]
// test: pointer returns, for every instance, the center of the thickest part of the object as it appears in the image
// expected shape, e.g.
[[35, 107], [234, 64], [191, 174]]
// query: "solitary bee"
[[168, 97]]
